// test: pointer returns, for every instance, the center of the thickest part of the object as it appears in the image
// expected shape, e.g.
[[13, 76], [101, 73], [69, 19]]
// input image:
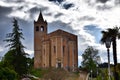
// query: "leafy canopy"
[[90, 56]]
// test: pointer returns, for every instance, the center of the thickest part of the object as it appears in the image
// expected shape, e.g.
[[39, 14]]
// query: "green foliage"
[[89, 58], [16, 62], [9, 59], [37, 72], [118, 69], [30, 63], [7, 74], [14, 38], [112, 34], [16, 57], [89, 62]]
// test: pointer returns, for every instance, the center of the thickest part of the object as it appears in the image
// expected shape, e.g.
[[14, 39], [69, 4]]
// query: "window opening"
[[42, 28], [44, 65], [37, 28], [63, 50], [44, 51], [54, 49]]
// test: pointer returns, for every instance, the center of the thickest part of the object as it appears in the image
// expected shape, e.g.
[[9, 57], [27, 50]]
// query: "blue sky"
[[85, 18]]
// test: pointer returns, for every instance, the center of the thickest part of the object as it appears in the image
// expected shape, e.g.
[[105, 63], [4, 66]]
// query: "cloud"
[[85, 18], [117, 2], [1, 49], [4, 22], [5, 10], [104, 7], [56, 1], [102, 1], [29, 51], [61, 25], [67, 6], [58, 15], [79, 60]]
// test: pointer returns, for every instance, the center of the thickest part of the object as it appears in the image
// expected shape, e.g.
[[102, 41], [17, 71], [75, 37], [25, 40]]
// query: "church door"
[[59, 65]]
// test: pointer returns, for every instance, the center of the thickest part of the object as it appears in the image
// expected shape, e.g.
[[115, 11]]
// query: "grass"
[[58, 74]]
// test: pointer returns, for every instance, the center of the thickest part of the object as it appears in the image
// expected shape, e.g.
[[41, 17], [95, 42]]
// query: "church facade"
[[57, 49]]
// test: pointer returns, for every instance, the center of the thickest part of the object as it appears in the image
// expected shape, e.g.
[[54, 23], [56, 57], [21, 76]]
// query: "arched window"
[[37, 28], [44, 52], [63, 50], [42, 28], [54, 49]]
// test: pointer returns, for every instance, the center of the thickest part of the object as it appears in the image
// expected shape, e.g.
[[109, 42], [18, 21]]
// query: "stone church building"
[[57, 49]]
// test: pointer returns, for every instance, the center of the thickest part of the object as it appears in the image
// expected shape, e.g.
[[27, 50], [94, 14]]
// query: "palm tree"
[[113, 34]]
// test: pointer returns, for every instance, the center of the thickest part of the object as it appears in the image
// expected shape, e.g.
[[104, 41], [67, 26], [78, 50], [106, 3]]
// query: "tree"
[[30, 62], [118, 68], [89, 59], [19, 60], [7, 74], [113, 34]]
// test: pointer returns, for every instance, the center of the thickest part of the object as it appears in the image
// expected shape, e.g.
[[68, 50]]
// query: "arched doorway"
[[59, 65]]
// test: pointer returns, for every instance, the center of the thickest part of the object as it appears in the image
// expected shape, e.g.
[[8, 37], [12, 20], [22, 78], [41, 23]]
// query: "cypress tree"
[[13, 39]]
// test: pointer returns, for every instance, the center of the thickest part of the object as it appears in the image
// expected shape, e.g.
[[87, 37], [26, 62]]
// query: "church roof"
[[63, 33]]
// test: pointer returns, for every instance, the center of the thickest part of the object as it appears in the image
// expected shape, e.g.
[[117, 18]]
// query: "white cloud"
[[29, 51], [7, 4], [104, 19], [19, 14], [1, 49], [84, 12], [79, 60]]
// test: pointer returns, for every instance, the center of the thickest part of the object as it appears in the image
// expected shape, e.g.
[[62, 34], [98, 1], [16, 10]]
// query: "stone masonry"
[[56, 49]]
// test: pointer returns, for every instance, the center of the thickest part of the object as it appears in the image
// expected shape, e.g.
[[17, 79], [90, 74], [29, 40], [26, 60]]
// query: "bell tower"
[[40, 31]]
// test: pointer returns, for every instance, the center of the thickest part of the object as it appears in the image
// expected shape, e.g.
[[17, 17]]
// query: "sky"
[[84, 18]]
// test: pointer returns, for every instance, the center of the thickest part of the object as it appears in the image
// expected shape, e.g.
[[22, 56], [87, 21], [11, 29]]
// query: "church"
[[57, 49]]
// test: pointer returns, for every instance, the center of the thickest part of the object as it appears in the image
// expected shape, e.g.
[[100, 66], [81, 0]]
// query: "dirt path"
[[83, 75]]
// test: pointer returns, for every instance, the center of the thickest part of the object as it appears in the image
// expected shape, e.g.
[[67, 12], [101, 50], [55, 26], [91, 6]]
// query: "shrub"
[[7, 74]]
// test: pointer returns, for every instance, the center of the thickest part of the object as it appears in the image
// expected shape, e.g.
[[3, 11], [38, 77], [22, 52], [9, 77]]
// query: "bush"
[[36, 72], [7, 74]]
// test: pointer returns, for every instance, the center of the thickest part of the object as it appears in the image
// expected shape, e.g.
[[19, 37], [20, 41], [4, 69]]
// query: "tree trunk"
[[115, 58], [114, 51]]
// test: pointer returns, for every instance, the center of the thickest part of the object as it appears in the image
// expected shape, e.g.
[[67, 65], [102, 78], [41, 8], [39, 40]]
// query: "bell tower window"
[[42, 28], [37, 28]]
